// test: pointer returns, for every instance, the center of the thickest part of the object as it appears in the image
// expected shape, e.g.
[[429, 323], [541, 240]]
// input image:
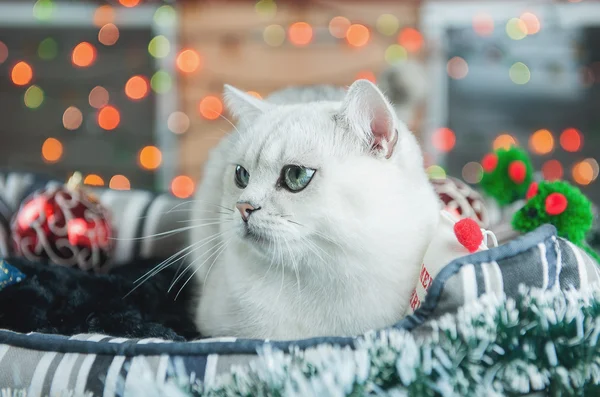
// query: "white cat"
[[318, 212]]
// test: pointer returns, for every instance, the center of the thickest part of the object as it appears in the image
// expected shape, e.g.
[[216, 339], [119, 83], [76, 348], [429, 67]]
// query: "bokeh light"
[[435, 172], [52, 150], [109, 118], [47, 49], [103, 15], [93, 180], [43, 10], [3, 52], [34, 96], [254, 94], [108, 34], [165, 16], [483, 25], [300, 34], [516, 29], [583, 173], [136, 88], [519, 73], [541, 142], [387, 24], [159, 47], [178, 122], [472, 172], [504, 141], [366, 75], [444, 139], [84, 54], [161, 82], [552, 170], [21, 73], [338, 26], [210, 107], [457, 68], [571, 140], [395, 53], [182, 186], [532, 23], [266, 8], [594, 164], [274, 35], [119, 182], [357, 35], [411, 39], [98, 97], [150, 157], [188, 61], [72, 118], [129, 3]]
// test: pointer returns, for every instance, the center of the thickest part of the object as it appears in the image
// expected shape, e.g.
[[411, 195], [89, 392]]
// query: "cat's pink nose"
[[246, 209]]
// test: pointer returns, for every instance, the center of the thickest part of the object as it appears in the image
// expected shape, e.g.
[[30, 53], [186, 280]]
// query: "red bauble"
[[532, 191], [65, 226], [556, 203], [469, 234], [489, 162], [517, 171], [461, 199]]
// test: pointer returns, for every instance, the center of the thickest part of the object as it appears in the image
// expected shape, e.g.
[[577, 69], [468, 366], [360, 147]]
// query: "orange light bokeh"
[[552, 170], [504, 141], [103, 15], [444, 139], [541, 142], [531, 22], [137, 88], [72, 118], [300, 33], [357, 35], [150, 157], [108, 34], [98, 97], [93, 180], [411, 39], [210, 107], [457, 68], [366, 75], [182, 186], [129, 3], [583, 173], [571, 140], [84, 55], [188, 61], [119, 182], [255, 94], [21, 73], [109, 118], [338, 27], [52, 150], [483, 25]]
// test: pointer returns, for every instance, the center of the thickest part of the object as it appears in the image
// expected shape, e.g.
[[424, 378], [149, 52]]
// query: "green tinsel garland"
[[542, 340]]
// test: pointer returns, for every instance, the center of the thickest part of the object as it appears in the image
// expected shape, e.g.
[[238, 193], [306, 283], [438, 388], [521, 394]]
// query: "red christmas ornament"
[[469, 234], [517, 171], [489, 162], [462, 200], [65, 225], [531, 191], [556, 203]]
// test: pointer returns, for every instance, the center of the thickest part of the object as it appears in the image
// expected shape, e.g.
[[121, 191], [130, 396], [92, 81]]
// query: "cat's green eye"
[[295, 178], [241, 177]]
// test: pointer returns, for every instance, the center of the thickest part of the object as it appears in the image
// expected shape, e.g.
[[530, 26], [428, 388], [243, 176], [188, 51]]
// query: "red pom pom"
[[489, 162], [532, 191], [469, 234], [517, 171], [556, 203]]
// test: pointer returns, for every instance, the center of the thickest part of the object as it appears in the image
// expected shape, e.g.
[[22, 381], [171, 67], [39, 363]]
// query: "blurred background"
[[129, 92]]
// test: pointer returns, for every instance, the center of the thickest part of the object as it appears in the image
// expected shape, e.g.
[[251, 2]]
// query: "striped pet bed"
[[106, 366]]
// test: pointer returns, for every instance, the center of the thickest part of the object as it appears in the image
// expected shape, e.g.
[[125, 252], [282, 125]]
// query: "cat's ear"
[[243, 105], [366, 110]]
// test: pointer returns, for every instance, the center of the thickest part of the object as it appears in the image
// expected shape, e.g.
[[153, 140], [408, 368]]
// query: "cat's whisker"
[[168, 233], [294, 264], [199, 201], [214, 247], [230, 123], [205, 219]]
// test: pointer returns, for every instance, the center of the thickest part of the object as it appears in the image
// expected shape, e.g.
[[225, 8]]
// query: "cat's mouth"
[[252, 234]]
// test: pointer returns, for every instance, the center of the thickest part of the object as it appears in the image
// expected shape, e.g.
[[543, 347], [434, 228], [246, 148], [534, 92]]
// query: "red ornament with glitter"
[[64, 225]]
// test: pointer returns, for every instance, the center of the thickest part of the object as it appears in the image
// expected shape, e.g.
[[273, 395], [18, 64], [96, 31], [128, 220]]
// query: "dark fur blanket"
[[57, 300]]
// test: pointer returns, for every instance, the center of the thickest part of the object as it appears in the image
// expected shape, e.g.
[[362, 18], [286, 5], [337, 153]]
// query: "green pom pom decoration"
[[561, 204], [507, 174]]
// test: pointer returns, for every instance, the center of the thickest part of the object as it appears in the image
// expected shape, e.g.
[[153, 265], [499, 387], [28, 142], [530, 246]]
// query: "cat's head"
[[308, 179]]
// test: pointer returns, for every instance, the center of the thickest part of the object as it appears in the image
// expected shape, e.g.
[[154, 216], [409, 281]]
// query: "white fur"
[[350, 258]]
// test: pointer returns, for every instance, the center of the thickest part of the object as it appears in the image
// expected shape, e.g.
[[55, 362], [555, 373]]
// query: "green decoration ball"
[[507, 174]]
